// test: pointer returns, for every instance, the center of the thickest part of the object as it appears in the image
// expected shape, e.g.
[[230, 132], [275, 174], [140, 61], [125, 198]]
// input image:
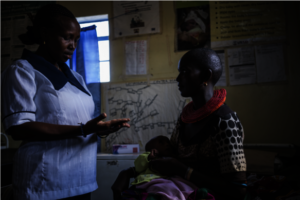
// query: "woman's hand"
[[122, 182], [105, 128], [168, 167]]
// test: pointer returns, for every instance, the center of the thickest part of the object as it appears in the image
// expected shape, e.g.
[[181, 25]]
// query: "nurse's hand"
[[105, 128]]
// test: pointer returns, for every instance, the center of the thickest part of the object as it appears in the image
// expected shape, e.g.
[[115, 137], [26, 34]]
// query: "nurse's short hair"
[[46, 17]]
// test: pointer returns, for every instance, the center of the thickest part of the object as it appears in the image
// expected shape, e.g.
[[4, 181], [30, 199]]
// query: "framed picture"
[[135, 18], [193, 25]]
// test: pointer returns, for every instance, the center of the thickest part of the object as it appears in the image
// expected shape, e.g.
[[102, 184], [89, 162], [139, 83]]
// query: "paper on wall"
[[5, 61], [241, 63], [270, 63], [19, 27], [136, 57], [14, 22], [222, 80], [5, 46], [14, 8], [153, 110], [6, 27], [136, 17]]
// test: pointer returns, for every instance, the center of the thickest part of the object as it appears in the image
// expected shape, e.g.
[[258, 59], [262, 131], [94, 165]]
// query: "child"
[[155, 184], [157, 147]]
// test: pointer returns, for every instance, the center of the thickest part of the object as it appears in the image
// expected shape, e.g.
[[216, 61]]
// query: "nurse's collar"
[[56, 77]]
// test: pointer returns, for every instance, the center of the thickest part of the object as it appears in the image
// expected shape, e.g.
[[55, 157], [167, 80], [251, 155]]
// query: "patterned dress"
[[217, 148]]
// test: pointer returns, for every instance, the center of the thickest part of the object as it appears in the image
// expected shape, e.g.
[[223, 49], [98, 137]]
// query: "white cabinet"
[[108, 168]]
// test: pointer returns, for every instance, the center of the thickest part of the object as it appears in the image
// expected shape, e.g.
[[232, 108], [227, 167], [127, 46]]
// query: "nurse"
[[49, 107]]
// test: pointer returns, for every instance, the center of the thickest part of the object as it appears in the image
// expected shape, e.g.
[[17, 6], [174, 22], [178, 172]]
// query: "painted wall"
[[269, 111]]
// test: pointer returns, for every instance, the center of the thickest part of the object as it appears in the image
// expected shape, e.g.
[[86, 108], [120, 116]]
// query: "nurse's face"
[[62, 39]]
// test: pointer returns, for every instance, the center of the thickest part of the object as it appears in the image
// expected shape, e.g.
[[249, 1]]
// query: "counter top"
[[110, 156]]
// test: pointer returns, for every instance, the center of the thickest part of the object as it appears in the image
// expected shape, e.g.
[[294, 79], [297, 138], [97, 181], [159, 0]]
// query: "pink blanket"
[[174, 188]]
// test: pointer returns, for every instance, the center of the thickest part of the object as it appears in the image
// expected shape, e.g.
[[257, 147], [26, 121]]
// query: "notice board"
[[241, 23]]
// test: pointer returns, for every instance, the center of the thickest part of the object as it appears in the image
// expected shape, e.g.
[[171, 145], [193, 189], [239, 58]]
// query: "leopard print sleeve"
[[228, 138]]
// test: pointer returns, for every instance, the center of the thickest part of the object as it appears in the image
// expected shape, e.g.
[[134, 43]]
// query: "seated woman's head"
[[199, 70], [159, 146]]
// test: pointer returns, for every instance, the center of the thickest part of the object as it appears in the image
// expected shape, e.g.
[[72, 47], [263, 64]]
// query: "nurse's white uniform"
[[35, 90]]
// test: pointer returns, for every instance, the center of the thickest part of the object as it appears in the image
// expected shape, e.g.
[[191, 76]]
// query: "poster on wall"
[[146, 106], [136, 57], [14, 8], [193, 25], [15, 17], [236, 23], [135, 18]]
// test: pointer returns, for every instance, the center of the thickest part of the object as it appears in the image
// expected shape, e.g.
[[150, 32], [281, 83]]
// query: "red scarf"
[[189, 115]]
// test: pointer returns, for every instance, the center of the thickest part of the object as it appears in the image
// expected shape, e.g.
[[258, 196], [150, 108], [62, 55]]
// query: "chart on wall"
[[136, 57], [256, 64], [135, 18], [193, 25], [153, 110], [240, 22], [242, 68], [15, 18]]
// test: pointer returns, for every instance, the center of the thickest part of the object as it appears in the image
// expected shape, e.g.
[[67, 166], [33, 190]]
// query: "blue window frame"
[[101, 22]]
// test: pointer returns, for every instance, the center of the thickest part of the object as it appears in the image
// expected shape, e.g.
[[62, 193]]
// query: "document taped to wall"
[[242, 69], [136, 57]]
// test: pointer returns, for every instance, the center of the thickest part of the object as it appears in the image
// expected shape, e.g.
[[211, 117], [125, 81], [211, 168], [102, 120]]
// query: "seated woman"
[[208, 138]]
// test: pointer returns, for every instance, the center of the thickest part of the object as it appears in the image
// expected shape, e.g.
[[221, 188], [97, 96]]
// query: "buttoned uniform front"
[[34, 90]]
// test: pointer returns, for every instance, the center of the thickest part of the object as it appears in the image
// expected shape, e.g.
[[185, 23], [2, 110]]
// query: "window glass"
[[102, 27], [104, 72], [103, 50]]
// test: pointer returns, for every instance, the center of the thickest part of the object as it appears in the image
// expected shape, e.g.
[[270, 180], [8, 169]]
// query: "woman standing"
[[208, 138], [49, 107]]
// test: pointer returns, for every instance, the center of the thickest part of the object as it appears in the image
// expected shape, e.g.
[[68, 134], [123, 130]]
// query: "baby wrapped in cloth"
[[154, 184]]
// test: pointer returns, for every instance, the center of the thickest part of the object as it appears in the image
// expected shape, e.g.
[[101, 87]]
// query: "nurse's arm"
[[46, 131]]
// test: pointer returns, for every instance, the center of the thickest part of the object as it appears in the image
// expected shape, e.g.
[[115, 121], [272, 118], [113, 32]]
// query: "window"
[[101, 22]]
